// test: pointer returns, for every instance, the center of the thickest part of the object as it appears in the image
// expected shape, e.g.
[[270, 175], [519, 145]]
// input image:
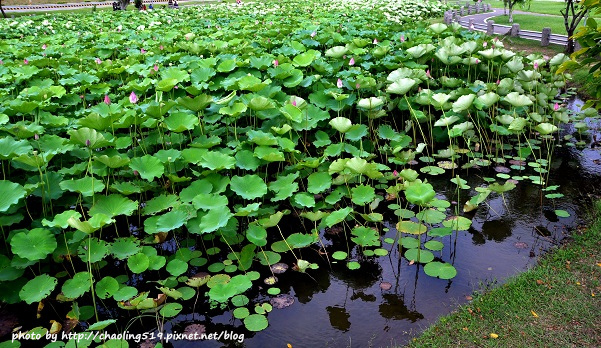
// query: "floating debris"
[[282, 301], [385, 286], [279, 268]]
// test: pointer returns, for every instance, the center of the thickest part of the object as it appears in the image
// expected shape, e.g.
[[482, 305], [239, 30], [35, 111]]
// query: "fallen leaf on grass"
[[534, 314], [539, 282]]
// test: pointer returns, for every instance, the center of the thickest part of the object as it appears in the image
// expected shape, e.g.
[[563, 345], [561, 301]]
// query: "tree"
[[511, 3], [572, 15], [589, 37], [123, 4], [1, 9]]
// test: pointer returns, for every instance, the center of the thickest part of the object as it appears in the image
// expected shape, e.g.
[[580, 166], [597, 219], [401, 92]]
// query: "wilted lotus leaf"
[[281, 301]]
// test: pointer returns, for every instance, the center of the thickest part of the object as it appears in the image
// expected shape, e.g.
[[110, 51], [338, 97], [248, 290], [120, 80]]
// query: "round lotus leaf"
[[240, 300], [409, 242], [411, 227], [420, 193], [341, 124], [248, 186], [125, 293], [92, 250], [353, 265], [273, 291], [440, 269], [562, 213], [419, 255], [241, 313], [10, 193], [218, 279], [380, 252], [339, 255], [33, 245], [37, 289], [434, 245], [170, 310], [256, 322], [106, 287], [177, 267], [138, 263], [458, 223], [77, 286], [122, 248]]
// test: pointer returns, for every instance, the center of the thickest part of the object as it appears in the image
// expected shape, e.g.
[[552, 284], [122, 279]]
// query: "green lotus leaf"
[[284, 186], [10, 147], [431, 216], [420, 193], [248, 186], [215, 219], [208, 201], [562, 213], [260, 103], [217, 161], [463, 103], [33, 245], [91, 225], [256, 322], [516, 99], [419, 255], [337, 216], [438, 28], [353, 265], [362, 194], [245, 159], [339, 255], [292, 113], [488, 99], [124, 247], [195, 104], [442, 270], [434, 245], [508, 186], [106, 287], [458, 223], [10, 194], [365, 236], [113, 205], [102, 325], [446, 121], [181, 121], [138, 263], [336, 51], [439, 99], [112, 162], [304, 199], [87, 186], [306, 58], [440, 232], [77, 286], [170, 310], [401, 86], [318, 182], [176, 267], [299, 240], [341, 124], [251, 83], [160, 203], [149, 167], [166, 84], [93, 250], [90, 138], [411, 227], [370, 103], [37, 289], [546, 128], [257, 235], [227, 65]]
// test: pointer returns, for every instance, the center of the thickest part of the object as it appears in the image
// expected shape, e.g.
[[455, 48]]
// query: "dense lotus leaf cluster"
[[175, 142]]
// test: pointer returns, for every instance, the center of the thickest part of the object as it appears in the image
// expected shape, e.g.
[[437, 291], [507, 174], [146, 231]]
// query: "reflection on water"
[[337, 307]]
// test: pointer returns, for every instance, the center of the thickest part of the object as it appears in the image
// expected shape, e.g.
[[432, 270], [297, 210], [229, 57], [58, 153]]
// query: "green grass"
[[585, 82], [555, 304], [541, 6], [534, 23]]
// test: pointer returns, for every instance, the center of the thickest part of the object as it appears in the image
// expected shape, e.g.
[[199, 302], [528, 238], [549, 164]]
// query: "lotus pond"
[[270, 168]]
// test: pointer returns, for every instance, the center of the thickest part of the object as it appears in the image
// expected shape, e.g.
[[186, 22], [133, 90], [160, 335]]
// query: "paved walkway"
[[480, 24], [71, 6]]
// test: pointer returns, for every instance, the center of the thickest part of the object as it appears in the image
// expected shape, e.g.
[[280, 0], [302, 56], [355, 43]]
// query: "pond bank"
[[555, 304]]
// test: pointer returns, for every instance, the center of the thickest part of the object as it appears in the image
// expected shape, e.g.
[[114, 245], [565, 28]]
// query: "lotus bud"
[[556, 106], [98, 61], [161, 47], [44, 46], [1, 62], [375, 41], [133, 98], [25, 61], [402, 38], [35, 152], [294, 102], [357, 86], [156, 67], [88, 143], [142, 51], [276, 63], [136, 173], [484, 44], [352, 61], [36, 136], [498, 81], [313, 34], [107, 99], [535, 65], [339, 83], [428, 74], [395, 173], [477, 60]]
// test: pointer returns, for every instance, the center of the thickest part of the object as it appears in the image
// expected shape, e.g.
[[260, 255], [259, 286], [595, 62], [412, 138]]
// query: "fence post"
[[471, 24], [469, 10], [545, 36], [461, 11], [490, 27], [515, 30]]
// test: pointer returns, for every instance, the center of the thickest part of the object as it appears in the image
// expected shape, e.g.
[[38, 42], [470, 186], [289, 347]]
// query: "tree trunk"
[[123, 4], [1, 9], [571, 45], [505, 7]]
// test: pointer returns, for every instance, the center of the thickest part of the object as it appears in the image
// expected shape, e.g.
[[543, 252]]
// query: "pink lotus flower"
[[44, 46], [142, 51], [293, 102], [276, 63], [156, 68], [357, 86], [25, 61], [313, 34], [402, 38], [477, 60], [161, 47], [556, 106], [107, 99], [339, 83], [176, 87], [375, 41], [395, 173], [133, 98], [498, 81], [535, 65], [428, 74], [484, 44], [136, 173], [98, 61], [1, 62], [352, 61]]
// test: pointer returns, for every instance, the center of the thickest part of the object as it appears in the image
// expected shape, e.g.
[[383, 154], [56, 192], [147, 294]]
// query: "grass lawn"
[[535, 23], [541, 6], [555, 304]]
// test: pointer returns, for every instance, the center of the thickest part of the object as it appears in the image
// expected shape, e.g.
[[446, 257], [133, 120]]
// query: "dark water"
[[341, 308]]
